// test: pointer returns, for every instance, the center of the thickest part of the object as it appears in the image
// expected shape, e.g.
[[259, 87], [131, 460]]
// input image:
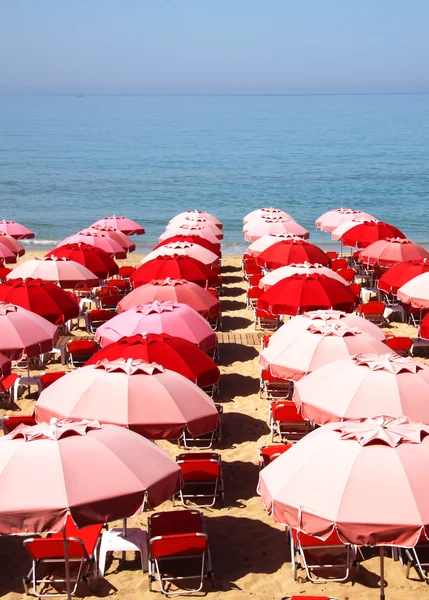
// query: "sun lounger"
[[266, 321], [286, 422], [252, 296], [122, 285], [95, 318], [373, 311], [339, 263], [126, 271], [108, 298], [202, 478], [266, 454], [11, 422], [7, 387], [400, 344], [178, 550], [204, 441], [79, 351], [348, 274], [418, 557], [215, 320], [274, 387]]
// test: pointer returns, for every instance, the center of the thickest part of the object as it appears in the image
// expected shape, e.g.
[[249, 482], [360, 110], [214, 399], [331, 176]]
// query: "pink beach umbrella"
[[264, 242], [190, 229], [195, 222], [366, 385], [7, 256], [392, 251], [317, 346], [173, 318], [99, 239], [5, 366], [24, 332], [67, 273], [12, 244], [122, 239], [199, 213], [377, 492], [334, 218], [16, 230], [122, 224], [253, 230], [266, 212], [144, 397], [184, 249], [416, 291], [305, 268], [173, 290]]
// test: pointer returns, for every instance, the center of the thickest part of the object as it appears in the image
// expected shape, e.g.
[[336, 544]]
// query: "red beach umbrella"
[[95, 259], [175, 267], [301, 293], [99, 239], [390, 252], [292, 251], [172, 353], [16, 230], [400, 274], [5, 366], [6, 254], [45, 299], [12, 243], [192, 239], [122, 224], [367, 232]]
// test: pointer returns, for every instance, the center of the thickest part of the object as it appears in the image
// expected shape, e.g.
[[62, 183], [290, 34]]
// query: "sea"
[[67, 160]]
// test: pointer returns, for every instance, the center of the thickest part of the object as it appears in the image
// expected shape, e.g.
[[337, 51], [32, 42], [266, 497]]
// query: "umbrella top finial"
[[129, 366], [392, 363], [54, 430], [384, 430], [337, 329], [6, 308]]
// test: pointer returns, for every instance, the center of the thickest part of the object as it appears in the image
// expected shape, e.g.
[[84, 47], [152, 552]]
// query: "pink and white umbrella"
[[392, 251], [416, 291], [366, 385], [98, 239], [123, 224], [122, 239], [184, 249], [67, 273], [254, 230], [267, 212], [16, 230], [264, 242], [7, 256], [146, 398], [173, 290], [24, 332], [317, 346], [190, 229], [199, 213], [333, 218], [206, 224], [173, 318], [277, 275], [12, 244]]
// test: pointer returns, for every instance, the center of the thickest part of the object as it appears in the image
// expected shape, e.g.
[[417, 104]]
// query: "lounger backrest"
[[347, 274], [399, 343], [332, 255], [286, 411], [200, 470], [339, 263], [254, 292], [99, 314], [374, 307], [11, 422], [267, 376], [119, 284], [309, 540], [88, 535], [126, 271], [187, 544], [255, 279], [175, 522], [43, 548], [7, 382], [198, 456], [82, 347], [48, 378]]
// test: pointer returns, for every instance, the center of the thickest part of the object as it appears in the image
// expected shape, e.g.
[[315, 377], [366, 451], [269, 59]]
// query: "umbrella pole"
[[67, 564], [382, 596]]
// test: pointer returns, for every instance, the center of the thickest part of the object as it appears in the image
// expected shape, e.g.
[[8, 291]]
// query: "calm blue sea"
[[66, 161]]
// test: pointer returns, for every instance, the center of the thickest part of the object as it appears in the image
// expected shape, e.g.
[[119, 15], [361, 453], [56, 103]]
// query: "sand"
[[249, 551]]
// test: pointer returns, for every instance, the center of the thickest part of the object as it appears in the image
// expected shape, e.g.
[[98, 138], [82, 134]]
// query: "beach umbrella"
[[175, 267], [377, 494], [192, 239], [24, 332], [400, 274], [424, 328], [305, 268], [45, 299], [392, 251], [334, 218], [368, 232], [12, 244], [96, 238], [145, 397], [67, 273], [173, 318], [255, 229], [16, 230], [297, 325], [122, 224], [366, 385], [173, 353], [267, 212], [291, 251], [264, 242], [196, 251], [94, 259], [415, 291], [175, 290], [199, 213], [196, 220], [192, 230], [301, 293], [317, 346], [6, 254], [122, 239], [342, 229], [4, 271], [5, 366]]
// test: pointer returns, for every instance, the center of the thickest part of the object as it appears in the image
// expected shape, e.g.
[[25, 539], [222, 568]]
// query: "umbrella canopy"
[[173, 318], [300, 293], [342, 229], [267, 212], [16, 230], [424, 327], [196, 220], [192, 230], [6, 254], [305, 268], [392, 251], [291, 252], [96, 238], [416, 291], [192, 239], [199, 213], [24, 332], [266, 241], [334, 218], [173, 353], [122, 224], [175, 290], [67, 273], [45, 299], [144, 397], [96, 473], [319, 345], [12, 244], [400, 274], [94, 259], [122, 239], [5, 366], [366, 385], [255, 229], [175, 267], [368, 232], [184, 249]]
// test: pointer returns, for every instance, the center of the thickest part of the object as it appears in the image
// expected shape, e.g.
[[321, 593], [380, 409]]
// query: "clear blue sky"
[[214, 46]]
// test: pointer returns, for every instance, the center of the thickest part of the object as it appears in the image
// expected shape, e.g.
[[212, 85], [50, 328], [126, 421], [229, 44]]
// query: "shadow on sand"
[[234, 323]]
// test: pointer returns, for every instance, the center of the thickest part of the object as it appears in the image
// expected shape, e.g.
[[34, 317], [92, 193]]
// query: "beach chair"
[[95, 318], [252, 296], [254, 280], [265, 340], [355, 288], [49, 551], [202, 478], [266, 454], [7, 388], [79, 351], [215, 320], [418, 557], [251, 268], [178, 550], [348, 274], [332, 255], [48, 379], [108, 298], [373, 311], [11, 422], [126, 271], [203, 441], [274, 387], [286, 422], [266, 321], [122, 285], [399, 343], [214, 352], [213, 292], [312, 554], [339, 263]]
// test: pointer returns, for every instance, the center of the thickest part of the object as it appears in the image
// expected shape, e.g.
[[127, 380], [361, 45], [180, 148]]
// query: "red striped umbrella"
[[95, 259], [367, 232], [292, 251], [400, 274], [174, 267]]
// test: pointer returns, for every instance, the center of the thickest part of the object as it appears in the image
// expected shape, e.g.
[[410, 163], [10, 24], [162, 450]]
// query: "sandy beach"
[[249, 552]]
